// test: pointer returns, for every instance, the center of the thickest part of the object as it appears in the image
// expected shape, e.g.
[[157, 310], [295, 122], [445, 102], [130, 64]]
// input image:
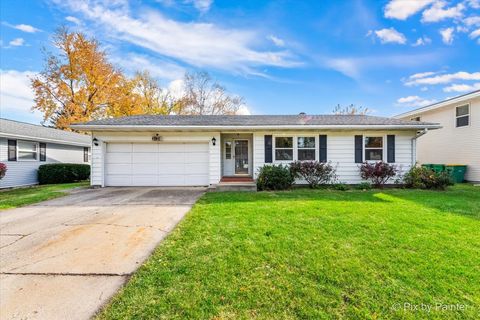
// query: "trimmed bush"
[[314, 172], [340, 186], [364, 186], [63, 173], [424, 178], [274, 177], [378, 173]]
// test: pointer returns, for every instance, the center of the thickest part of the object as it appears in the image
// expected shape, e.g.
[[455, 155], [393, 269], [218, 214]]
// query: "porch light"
[[95, 142], [214, 141]]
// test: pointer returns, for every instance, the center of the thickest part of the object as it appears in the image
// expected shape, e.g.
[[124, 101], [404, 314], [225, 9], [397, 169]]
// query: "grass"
[[320, 254], [20, 197]]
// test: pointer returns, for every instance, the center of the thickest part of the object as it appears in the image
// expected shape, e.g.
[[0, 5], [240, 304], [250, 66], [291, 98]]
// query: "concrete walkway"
[[64, 258]]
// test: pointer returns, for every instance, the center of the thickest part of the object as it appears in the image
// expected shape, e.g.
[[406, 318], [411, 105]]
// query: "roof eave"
[[87, 127], [441, 104], [48, 140]]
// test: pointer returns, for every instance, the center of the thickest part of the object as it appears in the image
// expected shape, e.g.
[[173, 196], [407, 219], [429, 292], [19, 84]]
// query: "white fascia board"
[[441, 104], [31, 138], [253, 128]]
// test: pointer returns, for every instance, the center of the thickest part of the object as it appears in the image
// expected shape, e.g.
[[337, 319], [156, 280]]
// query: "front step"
[[235, 186]]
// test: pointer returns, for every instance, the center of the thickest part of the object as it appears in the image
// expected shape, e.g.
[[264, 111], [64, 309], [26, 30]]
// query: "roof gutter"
[[88, 127]]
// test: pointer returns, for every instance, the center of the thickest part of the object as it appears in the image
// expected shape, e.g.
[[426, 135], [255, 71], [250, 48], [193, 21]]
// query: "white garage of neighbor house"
[[24, 147], [203, 150]]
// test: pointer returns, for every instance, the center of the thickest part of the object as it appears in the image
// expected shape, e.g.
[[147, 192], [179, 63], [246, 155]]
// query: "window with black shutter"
[[323, 147], [12, 150], [391, 148], [358, 149], [268, 149]]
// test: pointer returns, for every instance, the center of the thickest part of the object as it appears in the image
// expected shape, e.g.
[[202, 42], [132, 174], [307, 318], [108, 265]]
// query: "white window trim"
[[384, 139], [465, 115], [316, 146], [294, 146], [28, 160]]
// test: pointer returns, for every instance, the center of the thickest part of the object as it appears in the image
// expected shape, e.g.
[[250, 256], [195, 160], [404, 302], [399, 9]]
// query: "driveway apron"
[[65, 258]]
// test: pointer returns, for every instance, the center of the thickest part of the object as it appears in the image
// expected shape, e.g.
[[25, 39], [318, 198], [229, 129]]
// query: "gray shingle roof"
[[250, 120], [32, 131]]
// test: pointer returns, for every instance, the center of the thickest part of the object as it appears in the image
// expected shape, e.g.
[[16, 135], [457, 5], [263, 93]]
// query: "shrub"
[[3, 170], [314, 172], [340, 186], [63, 173], [423, 178], [274, 177], [378, 173], [364, 186]]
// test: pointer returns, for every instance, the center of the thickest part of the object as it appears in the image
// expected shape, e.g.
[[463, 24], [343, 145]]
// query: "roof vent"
[[302, 114]]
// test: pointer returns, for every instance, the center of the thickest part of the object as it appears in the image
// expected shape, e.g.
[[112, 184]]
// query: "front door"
[[241, 156]]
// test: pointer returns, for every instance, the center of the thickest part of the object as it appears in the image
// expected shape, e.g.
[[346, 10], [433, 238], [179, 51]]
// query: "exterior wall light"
[[95, 142], [214, 141]]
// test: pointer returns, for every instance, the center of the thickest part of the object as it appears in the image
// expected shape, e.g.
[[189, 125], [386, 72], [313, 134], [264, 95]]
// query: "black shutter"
[[85, 154], [268, 149], [323, 147], [358, 149], [12, 150], [43, 151], [391, 148]]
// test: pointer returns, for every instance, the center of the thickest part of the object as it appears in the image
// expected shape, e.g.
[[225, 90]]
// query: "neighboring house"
[[200, 150], [24, 147], [458, 141]]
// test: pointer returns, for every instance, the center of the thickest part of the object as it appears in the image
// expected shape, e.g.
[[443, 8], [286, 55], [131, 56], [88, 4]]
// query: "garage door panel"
[[167, 148], [175, 157], [196, 157], [196, 180], [114, 168], [119, 147], [171, 168], [146, 157], [198, 168], [148, 164], [119, 157], [144, 180], [118, 180], [144, 168], [196, 147], [145, 147]]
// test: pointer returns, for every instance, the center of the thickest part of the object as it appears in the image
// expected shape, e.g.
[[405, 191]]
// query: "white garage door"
[[156, 164]]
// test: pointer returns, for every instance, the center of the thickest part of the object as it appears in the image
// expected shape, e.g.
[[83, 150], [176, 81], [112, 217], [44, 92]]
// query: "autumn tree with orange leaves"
[[79, 84]]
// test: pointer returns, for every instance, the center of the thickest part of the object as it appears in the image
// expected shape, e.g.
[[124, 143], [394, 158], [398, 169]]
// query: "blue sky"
[[283, 57]]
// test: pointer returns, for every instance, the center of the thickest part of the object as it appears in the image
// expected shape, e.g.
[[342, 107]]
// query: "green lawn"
[[314, 255], [24, 196]]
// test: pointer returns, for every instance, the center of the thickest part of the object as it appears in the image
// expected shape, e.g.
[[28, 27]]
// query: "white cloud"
[[447, 35], [244, 110], [422, 41], [429, 79], [17, 42], [157, 68], [472, 21], [475, 4], [475, 34], [201, 5], [198, 44], [462, 87], [16, 96], [414, 101], [421, 75], [388, 36], [25, 28], [402, 9], [277, 41], [73, 20], [438, 12]]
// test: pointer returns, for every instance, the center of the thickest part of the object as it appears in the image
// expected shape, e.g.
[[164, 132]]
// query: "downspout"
[[414, 145]]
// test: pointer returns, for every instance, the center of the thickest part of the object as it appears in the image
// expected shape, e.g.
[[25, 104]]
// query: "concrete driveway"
[[64, 258]]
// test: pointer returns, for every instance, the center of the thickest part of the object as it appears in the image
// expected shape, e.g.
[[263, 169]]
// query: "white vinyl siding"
[[451, 144], [23, 173], [341, 150]]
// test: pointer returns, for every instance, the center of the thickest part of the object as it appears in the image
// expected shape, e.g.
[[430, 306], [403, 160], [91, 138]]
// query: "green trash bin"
[[457, 172], [434, 166], [428, 166]]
